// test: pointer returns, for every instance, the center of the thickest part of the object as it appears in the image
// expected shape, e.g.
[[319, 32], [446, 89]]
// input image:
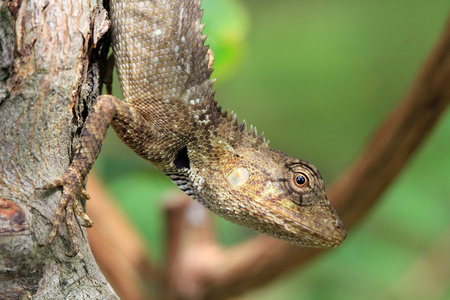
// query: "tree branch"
[[118, 248], [50, 74]]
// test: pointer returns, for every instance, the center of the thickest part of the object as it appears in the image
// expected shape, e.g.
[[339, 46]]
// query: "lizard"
[[169, 117]]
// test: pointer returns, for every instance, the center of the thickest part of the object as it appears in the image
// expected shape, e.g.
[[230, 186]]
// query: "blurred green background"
[[318, 77]]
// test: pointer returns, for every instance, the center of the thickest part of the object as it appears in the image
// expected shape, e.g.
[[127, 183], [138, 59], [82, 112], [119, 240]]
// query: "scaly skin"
[[169, 117]]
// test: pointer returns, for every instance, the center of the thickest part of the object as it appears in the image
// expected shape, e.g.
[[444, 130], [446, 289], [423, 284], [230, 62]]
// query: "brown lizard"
[[169, 117]]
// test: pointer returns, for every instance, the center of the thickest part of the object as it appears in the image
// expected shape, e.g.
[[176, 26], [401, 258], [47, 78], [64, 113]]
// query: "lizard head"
[[284, 197]]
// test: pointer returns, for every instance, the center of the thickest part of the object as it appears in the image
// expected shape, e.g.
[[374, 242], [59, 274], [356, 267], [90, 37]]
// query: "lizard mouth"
[[311, 225]]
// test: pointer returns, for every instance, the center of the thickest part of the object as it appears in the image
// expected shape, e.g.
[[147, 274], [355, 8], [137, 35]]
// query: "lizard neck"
[[212, 150]]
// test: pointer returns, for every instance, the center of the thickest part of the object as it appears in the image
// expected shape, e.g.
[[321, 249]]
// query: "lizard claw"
[[79, 211], [85, 194]]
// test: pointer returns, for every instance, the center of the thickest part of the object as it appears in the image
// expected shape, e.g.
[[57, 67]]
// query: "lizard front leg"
[[106, 110]]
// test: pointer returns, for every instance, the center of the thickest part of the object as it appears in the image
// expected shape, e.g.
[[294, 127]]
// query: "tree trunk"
[[50, 55]]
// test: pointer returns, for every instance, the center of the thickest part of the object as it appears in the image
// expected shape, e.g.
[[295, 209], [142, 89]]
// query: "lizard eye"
[[301, 179]]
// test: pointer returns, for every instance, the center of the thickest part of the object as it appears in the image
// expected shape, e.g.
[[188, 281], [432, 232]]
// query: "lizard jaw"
[[311, 226]]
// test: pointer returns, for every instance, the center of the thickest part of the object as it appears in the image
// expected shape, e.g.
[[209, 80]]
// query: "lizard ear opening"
[[181, 161]]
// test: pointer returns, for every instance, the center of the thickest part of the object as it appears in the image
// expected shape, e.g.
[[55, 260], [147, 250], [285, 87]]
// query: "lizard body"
[[169, 117]]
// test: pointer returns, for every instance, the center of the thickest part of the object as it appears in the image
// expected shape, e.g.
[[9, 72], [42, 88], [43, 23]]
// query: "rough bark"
[[50, 53]]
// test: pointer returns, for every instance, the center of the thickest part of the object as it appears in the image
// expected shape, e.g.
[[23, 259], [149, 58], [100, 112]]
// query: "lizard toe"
[[80, 212], [52, 185]]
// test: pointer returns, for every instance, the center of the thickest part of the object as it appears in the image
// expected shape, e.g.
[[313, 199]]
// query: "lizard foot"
[[69, 204]]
